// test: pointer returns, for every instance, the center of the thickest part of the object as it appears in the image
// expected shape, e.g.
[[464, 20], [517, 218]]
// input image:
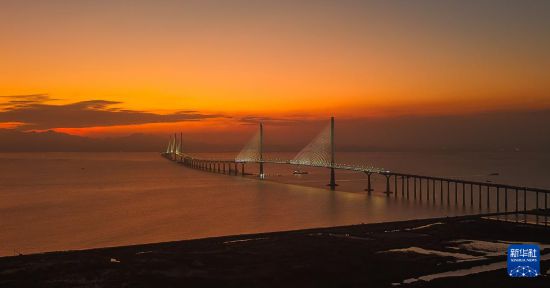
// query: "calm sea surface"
[[61, 201]]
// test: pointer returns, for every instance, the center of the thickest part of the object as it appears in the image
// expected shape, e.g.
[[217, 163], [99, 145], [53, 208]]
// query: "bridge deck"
[[365, 169], [287, 162]]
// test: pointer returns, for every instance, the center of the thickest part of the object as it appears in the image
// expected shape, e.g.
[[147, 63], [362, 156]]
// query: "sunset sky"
[[113, 67]]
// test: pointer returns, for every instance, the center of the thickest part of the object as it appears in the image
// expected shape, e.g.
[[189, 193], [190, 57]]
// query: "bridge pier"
[[479, 196], [395, 186], [369, 187], [388, 192], [471, 195], [402, 186], [498, 199], [488, 199], [517, 210], [537, 206], [420, 187], [414, 187], [262, 176], [433, 191], [441, 192], [463, 194], [407, 184], [332, 183], [428, 190], [456, 193], [525, 200], [448, 193], [506, 199], [546, 207]]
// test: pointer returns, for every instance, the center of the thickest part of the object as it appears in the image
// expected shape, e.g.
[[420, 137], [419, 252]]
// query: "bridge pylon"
[[332, 183], [252, 152], [262, 175]]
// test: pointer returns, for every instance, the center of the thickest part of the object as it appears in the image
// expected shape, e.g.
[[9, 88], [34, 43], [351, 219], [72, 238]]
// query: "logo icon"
[[523, 260]]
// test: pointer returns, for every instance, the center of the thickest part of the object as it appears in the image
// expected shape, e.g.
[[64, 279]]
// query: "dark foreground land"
[[350, 256]]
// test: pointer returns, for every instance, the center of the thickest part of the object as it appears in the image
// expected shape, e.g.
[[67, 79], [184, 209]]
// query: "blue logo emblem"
[[523, 260]]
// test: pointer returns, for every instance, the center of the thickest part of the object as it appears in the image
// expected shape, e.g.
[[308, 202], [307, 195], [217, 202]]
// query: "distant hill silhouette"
[[14, 140], [495, 131]]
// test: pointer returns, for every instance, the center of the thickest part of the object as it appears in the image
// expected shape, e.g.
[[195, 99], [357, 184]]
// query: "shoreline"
[[403, 253]]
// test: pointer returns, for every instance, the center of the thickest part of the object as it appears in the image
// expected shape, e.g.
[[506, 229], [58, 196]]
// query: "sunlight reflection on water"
[[59, 201]]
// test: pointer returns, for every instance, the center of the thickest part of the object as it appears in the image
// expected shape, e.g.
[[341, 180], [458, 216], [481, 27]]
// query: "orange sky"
[[312, 58]]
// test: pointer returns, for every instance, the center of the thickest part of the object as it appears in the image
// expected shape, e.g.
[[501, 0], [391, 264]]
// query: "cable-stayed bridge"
[[487, 197], [318, 153]]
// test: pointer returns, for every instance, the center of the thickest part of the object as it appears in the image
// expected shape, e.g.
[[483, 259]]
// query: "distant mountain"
[[496, 131], [15, 141], [12, 140]]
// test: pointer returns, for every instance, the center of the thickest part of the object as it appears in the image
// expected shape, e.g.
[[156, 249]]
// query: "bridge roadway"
[[492, 197], [364, 169]]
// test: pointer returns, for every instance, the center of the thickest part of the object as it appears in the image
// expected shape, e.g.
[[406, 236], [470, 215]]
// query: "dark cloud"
[[35, 111], [15, 101], [491, 131]]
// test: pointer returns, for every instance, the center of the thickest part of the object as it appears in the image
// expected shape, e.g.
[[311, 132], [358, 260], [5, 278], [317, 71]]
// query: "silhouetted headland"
[[368, 255]]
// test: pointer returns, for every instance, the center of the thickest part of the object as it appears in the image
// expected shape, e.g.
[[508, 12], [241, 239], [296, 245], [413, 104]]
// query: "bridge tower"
[[332, 183], [174, 150], [169, 147], [262, 176], [181, 146], [252, 152]]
